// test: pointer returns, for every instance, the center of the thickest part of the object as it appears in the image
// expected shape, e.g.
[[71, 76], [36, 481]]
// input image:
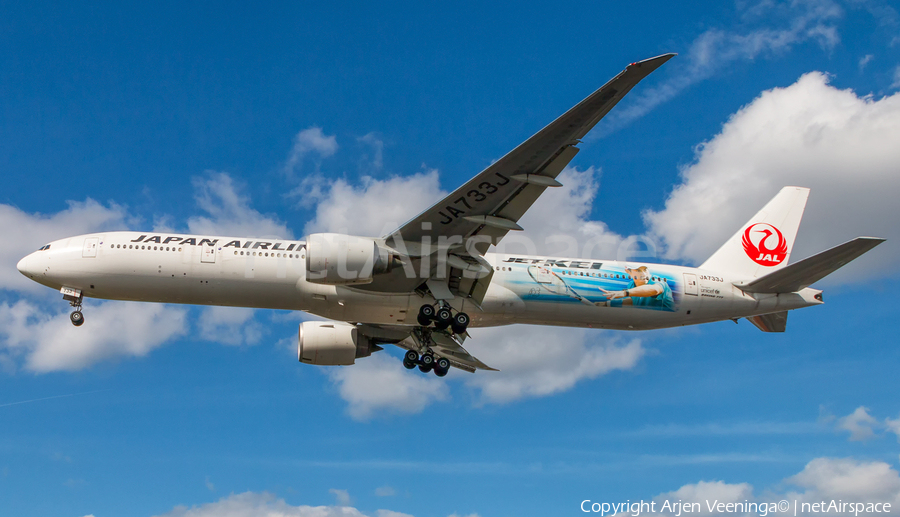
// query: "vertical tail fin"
[[764, 243]]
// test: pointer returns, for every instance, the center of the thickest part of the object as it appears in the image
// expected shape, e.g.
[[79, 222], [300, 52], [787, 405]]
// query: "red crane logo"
[[758, 240]]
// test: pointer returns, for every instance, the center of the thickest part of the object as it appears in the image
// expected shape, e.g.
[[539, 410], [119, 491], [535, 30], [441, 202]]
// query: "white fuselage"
[[271, 273]]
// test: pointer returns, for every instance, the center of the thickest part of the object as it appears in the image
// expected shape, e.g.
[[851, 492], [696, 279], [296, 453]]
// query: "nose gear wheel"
[[77, 317]]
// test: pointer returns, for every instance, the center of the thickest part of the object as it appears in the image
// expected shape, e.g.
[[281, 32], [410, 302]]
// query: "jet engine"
[[337, 259], [332, 343]]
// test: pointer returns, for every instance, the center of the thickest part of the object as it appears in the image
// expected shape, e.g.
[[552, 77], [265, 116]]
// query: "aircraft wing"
[[481, 212], [491, 203]]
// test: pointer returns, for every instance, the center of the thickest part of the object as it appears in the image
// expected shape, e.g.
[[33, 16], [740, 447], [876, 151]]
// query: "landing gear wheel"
[[426, 363], [443, 318], [408, 365], [426, 314], [77, 318], [411, 356], [441, 367], [460, 323]]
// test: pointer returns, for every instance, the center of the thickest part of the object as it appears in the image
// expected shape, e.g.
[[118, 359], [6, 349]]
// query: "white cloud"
[[252, 504], [385, 491], [264, 504], [49, 342], [822, 479], [375, 207], [893, 426], [707, 491], [24, 233], [865, 60], [341, 496], [230, 326], [809, 134], [859, 424], [391, 513], [529, 367], [380, 385], [311, 139], [229, 211], [848, 479], [714, 49], [376, 161]]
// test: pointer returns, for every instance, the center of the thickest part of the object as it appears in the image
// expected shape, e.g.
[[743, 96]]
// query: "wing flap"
[[443, 345], [446, 346]]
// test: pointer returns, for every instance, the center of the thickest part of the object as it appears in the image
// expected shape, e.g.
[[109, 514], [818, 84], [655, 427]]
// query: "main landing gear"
[[426, 363], [437, 317], [442, 317]]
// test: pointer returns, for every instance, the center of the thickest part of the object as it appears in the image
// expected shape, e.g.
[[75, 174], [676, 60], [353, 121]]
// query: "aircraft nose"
[[24, 266]]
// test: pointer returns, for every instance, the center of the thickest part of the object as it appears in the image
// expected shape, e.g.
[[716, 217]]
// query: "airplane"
[[423, 285]]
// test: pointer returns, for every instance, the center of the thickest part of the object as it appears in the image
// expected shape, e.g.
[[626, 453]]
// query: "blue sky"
[[283, 119]]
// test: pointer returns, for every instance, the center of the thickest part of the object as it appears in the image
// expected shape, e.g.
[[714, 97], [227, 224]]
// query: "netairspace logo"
[[679, 508]]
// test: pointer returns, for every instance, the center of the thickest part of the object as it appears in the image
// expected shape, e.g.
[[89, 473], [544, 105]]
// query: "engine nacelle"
[[332, 343], [337, 259]]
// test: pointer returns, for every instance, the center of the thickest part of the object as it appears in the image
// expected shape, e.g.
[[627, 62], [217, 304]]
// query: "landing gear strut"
[[443, 317], [74, 297]]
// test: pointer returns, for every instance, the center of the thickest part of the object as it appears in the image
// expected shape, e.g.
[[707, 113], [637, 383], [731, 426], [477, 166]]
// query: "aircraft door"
[[208, 254], [90, 247], [690, 284]]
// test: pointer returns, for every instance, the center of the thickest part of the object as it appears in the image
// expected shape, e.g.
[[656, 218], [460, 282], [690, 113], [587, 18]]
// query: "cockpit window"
[[46, 247]]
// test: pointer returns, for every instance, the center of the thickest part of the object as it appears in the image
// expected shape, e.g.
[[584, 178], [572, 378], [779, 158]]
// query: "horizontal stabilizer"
[[802, 274], [774, 322]]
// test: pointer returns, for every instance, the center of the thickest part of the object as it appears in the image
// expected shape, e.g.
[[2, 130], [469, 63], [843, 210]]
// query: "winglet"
[[653, 63]]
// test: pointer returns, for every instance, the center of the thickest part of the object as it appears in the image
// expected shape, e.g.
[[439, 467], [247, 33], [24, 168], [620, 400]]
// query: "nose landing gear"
[[76, 317], [74, 297]]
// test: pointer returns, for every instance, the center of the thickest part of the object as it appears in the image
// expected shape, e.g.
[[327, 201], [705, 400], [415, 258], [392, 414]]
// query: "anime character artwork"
[[637, 287], [643, 291]]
